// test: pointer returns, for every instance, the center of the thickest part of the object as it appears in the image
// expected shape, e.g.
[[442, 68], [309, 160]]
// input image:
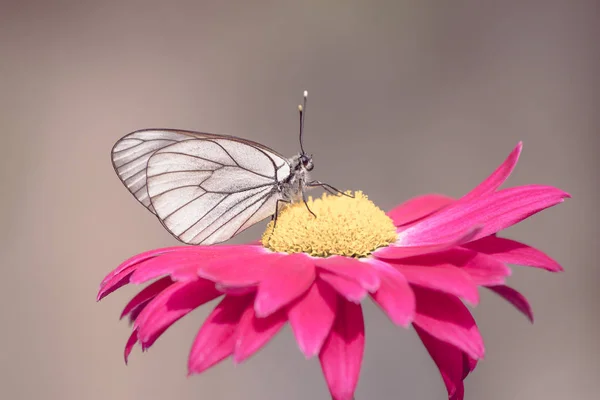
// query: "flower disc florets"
[[345, 226]]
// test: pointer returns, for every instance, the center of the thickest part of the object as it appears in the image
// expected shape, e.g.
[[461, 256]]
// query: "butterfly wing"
[[131, 153], [204, 188]]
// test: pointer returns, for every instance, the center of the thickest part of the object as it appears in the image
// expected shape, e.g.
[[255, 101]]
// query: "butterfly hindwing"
[[204, 188]]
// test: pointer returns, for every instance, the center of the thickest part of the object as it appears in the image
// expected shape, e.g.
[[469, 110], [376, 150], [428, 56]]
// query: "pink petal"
[[485, 270], [497, 178], [170, 305], [120, 276], [287, 278], [312, 316], [133, 261], [494, 212], [216, 339], [512, 252], [469, 365], [133, 339], [444, 278], [481, 268], [515, 298], [165, 265], [239, 269], [460, 393], [342, 353], [448, 359], [418, 207], [117, 282], [349, 289], [236, 290], [446, 318], [134, 314], [146, 294], [394, 296], [253, 332], [184, 263], [351, 268], [402, 251]]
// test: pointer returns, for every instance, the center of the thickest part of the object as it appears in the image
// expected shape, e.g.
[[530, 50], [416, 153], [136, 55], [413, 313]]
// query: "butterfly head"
[[306, 162], [301, 163]]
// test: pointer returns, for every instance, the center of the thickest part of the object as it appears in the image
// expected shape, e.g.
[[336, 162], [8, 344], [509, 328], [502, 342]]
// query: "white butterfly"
[[207, 188]]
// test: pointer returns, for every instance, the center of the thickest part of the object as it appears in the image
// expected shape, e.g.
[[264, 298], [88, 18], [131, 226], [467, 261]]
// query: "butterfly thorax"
[[292, 187]]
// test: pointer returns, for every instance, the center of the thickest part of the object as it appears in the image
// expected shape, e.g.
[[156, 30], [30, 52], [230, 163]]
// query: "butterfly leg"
[[324, 187], [306, 203], [328, 187], [274, 217]]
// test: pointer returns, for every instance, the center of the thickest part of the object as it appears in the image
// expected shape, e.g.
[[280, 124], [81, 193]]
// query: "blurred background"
[[406, 97]]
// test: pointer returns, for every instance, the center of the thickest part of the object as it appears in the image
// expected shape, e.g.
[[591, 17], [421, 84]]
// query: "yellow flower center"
[[346, 226]]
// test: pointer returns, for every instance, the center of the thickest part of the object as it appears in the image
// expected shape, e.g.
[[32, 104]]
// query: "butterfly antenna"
[[302, 110]]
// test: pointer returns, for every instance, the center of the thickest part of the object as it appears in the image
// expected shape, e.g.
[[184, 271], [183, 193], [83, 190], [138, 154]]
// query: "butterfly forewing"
[[204, 188]]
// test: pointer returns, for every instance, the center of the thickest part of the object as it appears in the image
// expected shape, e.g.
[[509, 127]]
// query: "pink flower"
[[315, 275]]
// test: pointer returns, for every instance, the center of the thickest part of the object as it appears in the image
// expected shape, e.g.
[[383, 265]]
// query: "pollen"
[[344, 225]]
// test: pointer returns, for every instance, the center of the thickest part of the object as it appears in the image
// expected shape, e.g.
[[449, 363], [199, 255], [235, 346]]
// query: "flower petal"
[[459, 394], [446, 318], [482, 268], [216, 338], [133, 339], [515, 298], [469, 365], [170, 305], [118, 281], [485, 270], [253, 332], [239, 269], [349, 289], [287, 278], [165, 265], [146, 294], [120, 276], [513, 252], [342, 353], [351, 268], [495, 212], [184, 263], [445, 278], [133, 261], [448, 359], [497, 178], [134, 314], [418, 207], [401, 251], [236, 290], [394, 296], [312, 316]]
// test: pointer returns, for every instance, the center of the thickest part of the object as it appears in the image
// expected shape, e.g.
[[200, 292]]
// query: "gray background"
[[406, 97]]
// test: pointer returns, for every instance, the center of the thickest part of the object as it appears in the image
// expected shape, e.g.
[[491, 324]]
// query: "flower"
[[418, 263]]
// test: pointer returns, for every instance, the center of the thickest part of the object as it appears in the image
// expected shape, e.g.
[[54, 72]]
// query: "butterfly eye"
[[308, 164]]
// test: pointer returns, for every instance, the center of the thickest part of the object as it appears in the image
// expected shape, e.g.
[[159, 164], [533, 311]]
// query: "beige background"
[[406, 97]]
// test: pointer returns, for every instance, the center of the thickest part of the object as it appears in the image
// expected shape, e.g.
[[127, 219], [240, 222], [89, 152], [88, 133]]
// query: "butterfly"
[[206, 188]]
